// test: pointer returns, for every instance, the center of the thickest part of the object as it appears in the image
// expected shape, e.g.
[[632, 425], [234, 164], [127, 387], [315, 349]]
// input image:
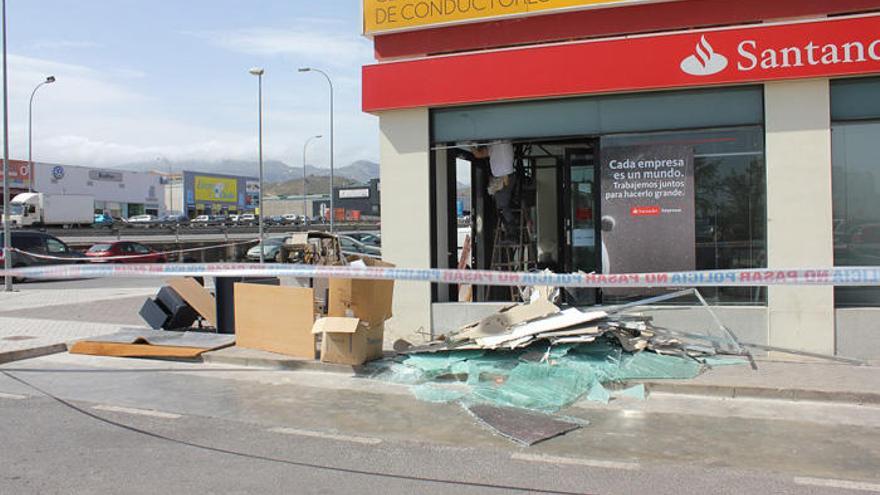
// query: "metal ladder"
[[512, 252]]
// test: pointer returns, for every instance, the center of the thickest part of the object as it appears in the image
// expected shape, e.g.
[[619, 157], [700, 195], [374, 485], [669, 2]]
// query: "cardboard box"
[[275, 319], [366, 301], [348, 340]]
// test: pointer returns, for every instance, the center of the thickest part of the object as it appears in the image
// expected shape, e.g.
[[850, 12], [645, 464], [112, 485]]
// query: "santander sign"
[[752, 56], [704, 62], [822, 48]]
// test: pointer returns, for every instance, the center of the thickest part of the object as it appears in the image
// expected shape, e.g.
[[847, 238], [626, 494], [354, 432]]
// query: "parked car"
[[219, 220], [139, 252], [39, 243], [173, 219], [275, 220], [368, 238], [271, 249], [292, 219], [234, 218], [103, 220], [247, 219], [142, 220], [201, 220], [351, 245]]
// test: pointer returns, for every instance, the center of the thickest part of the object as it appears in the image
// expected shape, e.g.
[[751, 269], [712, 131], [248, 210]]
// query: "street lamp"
[[49, 80], [305, 201], [7, 232], [332, 209], [258, 71]]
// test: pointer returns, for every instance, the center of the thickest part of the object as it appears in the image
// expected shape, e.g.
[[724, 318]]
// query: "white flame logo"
[[705, 61]]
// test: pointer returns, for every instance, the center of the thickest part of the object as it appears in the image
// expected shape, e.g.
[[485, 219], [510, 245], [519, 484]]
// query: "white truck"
[[39, 209]]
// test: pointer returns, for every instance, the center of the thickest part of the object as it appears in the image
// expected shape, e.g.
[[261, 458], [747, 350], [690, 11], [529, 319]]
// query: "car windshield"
[[99, 248], [16, 209]]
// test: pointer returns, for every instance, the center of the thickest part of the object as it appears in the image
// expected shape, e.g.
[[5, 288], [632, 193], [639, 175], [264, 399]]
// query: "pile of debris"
[[540, 357], [312, 248], [541, 321]]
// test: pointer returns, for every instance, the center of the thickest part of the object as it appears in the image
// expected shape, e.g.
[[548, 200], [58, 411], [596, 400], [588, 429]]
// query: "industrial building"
[[119, 193]]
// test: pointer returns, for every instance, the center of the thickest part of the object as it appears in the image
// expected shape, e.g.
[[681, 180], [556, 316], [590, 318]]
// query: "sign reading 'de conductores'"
[[648, 209], [388, 15]]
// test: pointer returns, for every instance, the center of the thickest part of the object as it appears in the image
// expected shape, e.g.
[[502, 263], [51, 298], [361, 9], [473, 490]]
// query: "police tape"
[[105, 259], [840, 276]]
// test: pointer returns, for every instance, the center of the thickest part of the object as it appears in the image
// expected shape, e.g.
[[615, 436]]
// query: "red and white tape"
[[839, 276]]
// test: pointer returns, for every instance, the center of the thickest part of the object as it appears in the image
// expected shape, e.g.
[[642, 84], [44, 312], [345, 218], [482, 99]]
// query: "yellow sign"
[[216, 189], [389, 15]]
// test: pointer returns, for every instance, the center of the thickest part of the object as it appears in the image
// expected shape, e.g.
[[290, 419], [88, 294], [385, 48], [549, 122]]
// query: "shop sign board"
[[647, 207], [834, 47], [354, 193], [19, 174], [105, 175], [396, 15], [215, 189]]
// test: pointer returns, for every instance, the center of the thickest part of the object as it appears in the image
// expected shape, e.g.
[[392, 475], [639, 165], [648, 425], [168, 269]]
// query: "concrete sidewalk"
[[37, 322], [820, 382]]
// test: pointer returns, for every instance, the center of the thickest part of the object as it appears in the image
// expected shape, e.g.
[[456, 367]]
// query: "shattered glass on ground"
[[545, 379]]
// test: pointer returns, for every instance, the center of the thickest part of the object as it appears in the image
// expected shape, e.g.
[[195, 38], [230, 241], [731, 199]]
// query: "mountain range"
[[359, 172]]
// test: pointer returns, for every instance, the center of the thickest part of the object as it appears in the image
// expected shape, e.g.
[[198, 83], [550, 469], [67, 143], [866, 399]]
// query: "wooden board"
[[196, 296], [134, 350], [275, 319]]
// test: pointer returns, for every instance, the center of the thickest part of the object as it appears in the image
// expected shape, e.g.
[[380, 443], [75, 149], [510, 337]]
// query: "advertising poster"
[[215, 189], [647, 209]]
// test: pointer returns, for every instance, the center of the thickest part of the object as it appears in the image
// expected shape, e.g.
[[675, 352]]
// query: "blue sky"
[[142, 80]]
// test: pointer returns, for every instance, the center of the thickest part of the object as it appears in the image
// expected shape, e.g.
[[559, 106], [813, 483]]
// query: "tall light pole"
[[49, 80], [332, 208], [7, 232], [305, 198], [258, 71]]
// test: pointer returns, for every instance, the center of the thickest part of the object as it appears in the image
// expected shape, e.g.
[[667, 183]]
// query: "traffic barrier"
[[839, 276], [105, 259]]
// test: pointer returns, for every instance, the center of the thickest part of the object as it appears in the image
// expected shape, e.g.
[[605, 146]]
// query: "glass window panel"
[[597, 115], [856, 197], [730, 199]]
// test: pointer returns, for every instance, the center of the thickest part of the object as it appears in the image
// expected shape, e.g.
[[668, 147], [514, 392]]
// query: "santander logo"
[[705, 61]]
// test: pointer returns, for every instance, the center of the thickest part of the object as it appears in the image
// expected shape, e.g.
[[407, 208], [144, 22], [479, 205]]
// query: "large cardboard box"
[[348, 340], [275, 319], [368, 301]]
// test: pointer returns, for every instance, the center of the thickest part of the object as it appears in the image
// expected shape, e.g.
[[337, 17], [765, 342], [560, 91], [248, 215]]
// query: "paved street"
[[149, 426]]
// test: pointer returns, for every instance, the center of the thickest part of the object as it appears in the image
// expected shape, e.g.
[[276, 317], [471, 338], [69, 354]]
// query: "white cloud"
[[333, 47], [98, 117], [63, 44]]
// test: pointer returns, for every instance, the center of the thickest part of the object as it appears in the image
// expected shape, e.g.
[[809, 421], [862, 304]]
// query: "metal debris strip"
[[523, 427]]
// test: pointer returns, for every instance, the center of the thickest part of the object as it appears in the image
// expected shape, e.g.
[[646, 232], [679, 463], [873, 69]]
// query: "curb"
[[276, 362], [33, 352], [733, 392]]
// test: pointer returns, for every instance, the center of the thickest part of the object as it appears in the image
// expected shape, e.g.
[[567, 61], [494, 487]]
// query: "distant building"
[[120, 193], [293, 204], [352, 201], [196, 193]]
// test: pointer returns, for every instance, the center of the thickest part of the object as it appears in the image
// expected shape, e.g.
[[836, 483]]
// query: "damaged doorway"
[[557, 194]]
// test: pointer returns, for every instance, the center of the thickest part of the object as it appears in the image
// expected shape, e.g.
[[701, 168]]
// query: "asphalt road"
[[128, 426]]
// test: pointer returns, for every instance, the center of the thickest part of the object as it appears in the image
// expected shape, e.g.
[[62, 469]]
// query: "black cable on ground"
[[275, 459]]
